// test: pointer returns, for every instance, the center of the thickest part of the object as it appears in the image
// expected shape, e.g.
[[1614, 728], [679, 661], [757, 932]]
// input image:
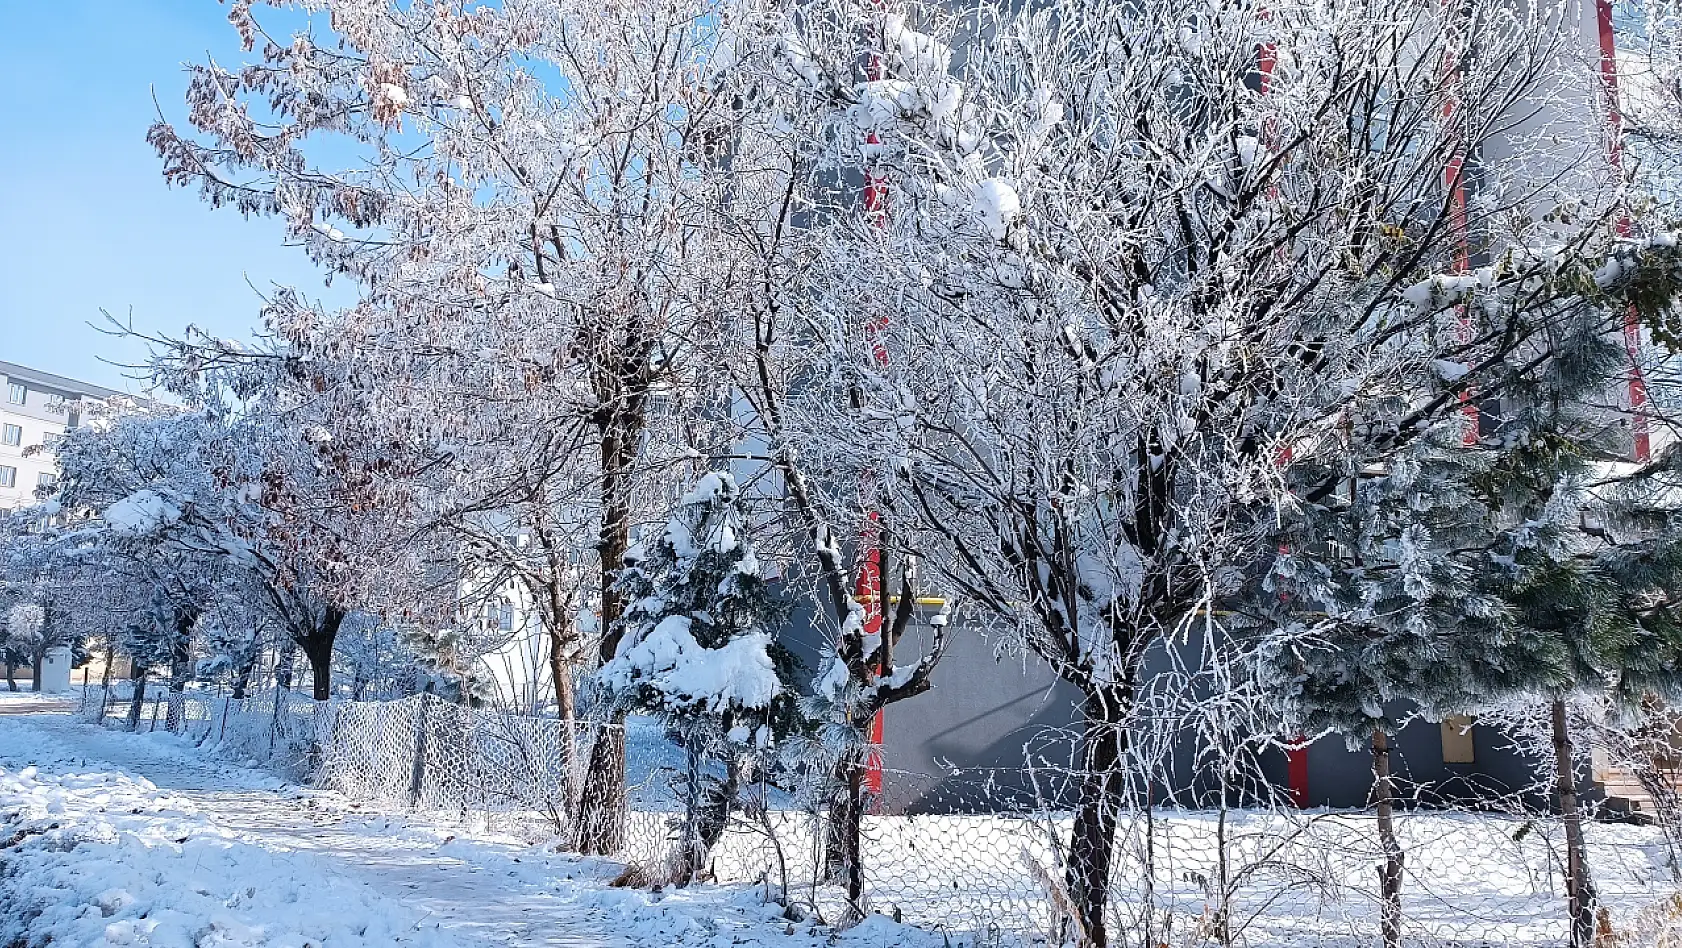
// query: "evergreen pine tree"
[[1534, 559], [1588, 559], [1370, 615], [699, 651], [1462, 577]]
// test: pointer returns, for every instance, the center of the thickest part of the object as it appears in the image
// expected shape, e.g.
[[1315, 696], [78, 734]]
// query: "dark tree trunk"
[[321, 671], [1097, 811], [317, 644], [844, 830], [707, 807], [105, 682], [39, 656], [1579, 888], [242, 678], [180, 670], [1390, 874], [137, 703], [11, 678], [601, 808], [283, 663]]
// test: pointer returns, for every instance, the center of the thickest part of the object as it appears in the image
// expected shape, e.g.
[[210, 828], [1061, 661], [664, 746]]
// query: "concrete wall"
[[996, 732]]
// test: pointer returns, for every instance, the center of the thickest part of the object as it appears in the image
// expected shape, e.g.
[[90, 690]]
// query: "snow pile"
[[101, 858], [141, 512], [669, 659], [996, 204]]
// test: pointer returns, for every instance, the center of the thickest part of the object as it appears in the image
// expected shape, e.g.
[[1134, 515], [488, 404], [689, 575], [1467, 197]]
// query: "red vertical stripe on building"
[[1296, 771], [869, 589], [1296, 753], [1642, 437]]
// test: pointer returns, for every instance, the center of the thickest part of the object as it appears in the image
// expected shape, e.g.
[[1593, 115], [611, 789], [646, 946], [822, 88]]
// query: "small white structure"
[[55, 670]]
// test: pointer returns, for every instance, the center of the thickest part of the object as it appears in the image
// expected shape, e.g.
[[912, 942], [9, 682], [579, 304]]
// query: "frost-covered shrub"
[[698, 651]]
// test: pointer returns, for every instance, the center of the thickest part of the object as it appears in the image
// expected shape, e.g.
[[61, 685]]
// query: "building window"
[[51, 439], [11, 435], [47, 481], [8, 476], [15, 392]]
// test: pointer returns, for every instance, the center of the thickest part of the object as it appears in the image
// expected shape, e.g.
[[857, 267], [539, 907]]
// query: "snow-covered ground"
[[108, 838], [25, 701]]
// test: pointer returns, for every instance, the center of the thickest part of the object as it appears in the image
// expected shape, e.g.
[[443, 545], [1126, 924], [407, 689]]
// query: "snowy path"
[[24, 702], [481, 893]]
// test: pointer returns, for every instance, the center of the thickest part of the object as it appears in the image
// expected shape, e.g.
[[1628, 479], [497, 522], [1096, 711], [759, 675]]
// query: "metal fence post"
[[417, 773]]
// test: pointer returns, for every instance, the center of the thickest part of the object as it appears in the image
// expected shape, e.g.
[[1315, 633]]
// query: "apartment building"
[[36, 409]]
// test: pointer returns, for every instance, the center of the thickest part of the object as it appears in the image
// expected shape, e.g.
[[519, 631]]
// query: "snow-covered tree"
[[23, 626], [1641, 87], [699, 650], [541, 238], [1140, 268], [1589, 564], [40, 580], [1522, 552], [1371, 614], [258, 496]]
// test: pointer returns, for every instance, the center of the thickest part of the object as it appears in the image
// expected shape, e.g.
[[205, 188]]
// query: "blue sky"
[[85, 218]]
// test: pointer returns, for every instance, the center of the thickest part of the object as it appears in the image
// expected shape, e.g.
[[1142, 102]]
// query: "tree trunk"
[[847, 829], [11, 678], [137, 703], [601, 808], [1390, 874], [1092, 839], [242, 678], [560, 671], [321, 671], [317, 644], [1579, 888], [180, 671], [39, 656], [283, 662], [105, 682], [707, 806], [566, 706]]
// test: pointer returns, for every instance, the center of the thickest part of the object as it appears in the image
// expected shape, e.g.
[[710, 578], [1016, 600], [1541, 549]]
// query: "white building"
[[36, 409]]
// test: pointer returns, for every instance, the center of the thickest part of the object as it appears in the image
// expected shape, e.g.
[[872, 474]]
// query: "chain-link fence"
[[1294, 878], [509, 772], [506, 772], [274, 728], [981, 873]]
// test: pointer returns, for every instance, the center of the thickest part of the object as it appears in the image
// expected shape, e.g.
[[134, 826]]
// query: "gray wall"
[[996, 732]]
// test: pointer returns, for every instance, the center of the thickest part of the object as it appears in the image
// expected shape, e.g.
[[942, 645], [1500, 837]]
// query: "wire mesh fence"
[[274, 728], [983, 872], [510, 773], [1198, 877]]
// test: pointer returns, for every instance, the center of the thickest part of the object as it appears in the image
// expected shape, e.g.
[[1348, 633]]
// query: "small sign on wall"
[[1457, 740]]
